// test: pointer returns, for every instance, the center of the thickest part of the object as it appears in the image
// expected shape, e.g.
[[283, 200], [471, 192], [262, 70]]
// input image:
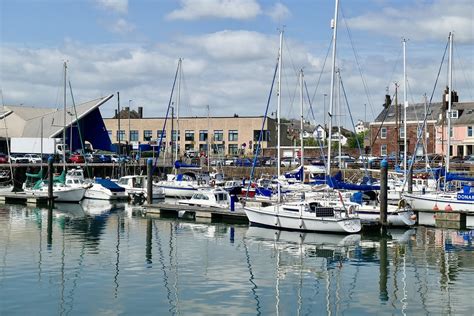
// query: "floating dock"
[[196, 212], [445, 219], [23, 197]]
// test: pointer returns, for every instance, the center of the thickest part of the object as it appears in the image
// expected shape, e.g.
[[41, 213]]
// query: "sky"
[[229, 50]]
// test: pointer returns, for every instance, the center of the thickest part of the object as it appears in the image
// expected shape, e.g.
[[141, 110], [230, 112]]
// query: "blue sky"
[[229, 49]]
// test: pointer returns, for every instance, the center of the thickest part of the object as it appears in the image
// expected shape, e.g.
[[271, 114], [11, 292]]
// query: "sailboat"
[[301, 215], [444, 200], [62, 191]]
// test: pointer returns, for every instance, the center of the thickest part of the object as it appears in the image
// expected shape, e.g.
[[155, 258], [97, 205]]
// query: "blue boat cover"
[[336, 182], [112, 186], [178, 164]]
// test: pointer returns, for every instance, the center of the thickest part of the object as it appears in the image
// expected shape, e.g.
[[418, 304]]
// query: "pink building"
[[462, 131]]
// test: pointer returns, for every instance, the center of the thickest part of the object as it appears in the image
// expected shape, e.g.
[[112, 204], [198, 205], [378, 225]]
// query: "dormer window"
[[454, 114]]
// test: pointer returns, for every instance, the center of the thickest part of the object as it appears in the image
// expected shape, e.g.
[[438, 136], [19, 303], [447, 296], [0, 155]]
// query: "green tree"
[[352, 141]]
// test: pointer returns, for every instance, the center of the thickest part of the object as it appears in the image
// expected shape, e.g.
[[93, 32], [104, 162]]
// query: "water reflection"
[[100, 258]]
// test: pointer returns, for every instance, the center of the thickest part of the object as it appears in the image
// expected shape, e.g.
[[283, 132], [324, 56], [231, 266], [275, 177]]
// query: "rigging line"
[[395, 65], [314, 118], [257, 151], [468, 82], [322, 70], [365, 161], [427, 111], [166, 118], [296, 73], [359, 68]]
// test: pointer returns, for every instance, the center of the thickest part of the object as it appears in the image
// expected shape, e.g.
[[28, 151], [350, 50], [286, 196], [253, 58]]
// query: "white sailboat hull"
[[441, 201], [267, 216], [394, 218]]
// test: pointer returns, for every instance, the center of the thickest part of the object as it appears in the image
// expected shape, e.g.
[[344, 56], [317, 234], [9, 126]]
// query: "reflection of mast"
[[163, 268], [117, 260], [251, 278], [277, 285]]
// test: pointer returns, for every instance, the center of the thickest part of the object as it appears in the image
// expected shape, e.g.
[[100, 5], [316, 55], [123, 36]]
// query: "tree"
[[352, 140]]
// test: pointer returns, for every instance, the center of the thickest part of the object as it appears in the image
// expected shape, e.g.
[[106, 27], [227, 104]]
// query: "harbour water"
[[100, 259]]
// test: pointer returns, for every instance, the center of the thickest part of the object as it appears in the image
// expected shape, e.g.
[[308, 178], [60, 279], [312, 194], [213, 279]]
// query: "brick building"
[[387, 133]]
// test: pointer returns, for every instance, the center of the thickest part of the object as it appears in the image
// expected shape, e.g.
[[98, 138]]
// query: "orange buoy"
[[448, 208], [436, 208]]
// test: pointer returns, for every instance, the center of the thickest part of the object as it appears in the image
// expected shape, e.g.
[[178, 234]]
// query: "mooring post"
[[149, 229], [50, 180], [149, 181], [49, 231], [383, 192], [410, 178]]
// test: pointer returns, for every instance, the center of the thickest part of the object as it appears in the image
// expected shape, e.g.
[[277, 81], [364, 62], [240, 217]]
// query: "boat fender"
[[301, 223], [212, 183], [350, 210], [435, 207], [448, 208], [401, 204]]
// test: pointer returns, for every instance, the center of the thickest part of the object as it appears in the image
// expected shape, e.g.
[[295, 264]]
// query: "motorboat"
[[181, 185], [215, 197], [136, 186], [61, 191], [304, 216], [99, 188]]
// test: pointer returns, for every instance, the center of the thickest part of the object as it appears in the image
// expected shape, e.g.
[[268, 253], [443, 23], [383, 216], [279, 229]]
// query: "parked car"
[[116, 158], [290, 162], [245, 162], [104, 158], [18, 158], [33, 158], [470, 160], [3, 158], [191, 153], [76, 158], [90, 158], [230, 161]]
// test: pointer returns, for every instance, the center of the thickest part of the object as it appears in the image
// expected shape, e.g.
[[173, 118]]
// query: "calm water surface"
[[97, 259]]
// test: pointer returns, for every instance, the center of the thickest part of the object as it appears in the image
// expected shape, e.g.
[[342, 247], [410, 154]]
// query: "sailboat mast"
[[339, 145], [331, 94], [279, 109], [208, 140], [405, 106], [64, 125], [178, 99], [302, 123], [450, 101]]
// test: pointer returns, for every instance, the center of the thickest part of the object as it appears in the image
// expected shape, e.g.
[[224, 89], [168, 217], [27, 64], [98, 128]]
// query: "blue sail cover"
[[336, 182], [458, 177], [112, 186], [295, 174]]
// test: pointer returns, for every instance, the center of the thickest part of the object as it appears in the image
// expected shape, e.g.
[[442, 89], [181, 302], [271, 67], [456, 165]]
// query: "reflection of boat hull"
[[428, 202], [302, 237], [394, 218], [69, 210], [98, 207], [266, 216]]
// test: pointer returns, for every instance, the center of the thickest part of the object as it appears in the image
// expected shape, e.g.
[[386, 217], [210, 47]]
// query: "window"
[[109, 131], [173, 136], [189, 136], [120, 135], [147, 134], [233, 136], [203, 135], [203, 148], [218, 148], [158, 134], [265, 136], [383, 133], [402, 132], [134, 136], [188, 146], [218, 135], [383, 150], [469, 131], [233, 148]]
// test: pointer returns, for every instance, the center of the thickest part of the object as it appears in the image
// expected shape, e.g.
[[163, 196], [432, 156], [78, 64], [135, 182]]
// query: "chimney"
[[115, 114], [127, 109], [140, 112]]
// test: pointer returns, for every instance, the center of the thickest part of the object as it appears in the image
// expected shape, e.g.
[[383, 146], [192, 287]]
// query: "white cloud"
[[120, 6], [279, 12], [226, 9], [121, 26], [422, 21]]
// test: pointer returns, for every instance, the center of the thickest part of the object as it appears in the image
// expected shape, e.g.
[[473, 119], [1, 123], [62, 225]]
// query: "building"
[[462, 131], [82, 122], [361, 126], [231, 135], [387, 132]]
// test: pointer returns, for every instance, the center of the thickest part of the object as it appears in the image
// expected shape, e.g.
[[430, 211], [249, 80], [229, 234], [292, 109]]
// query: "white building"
[[361, 126]]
